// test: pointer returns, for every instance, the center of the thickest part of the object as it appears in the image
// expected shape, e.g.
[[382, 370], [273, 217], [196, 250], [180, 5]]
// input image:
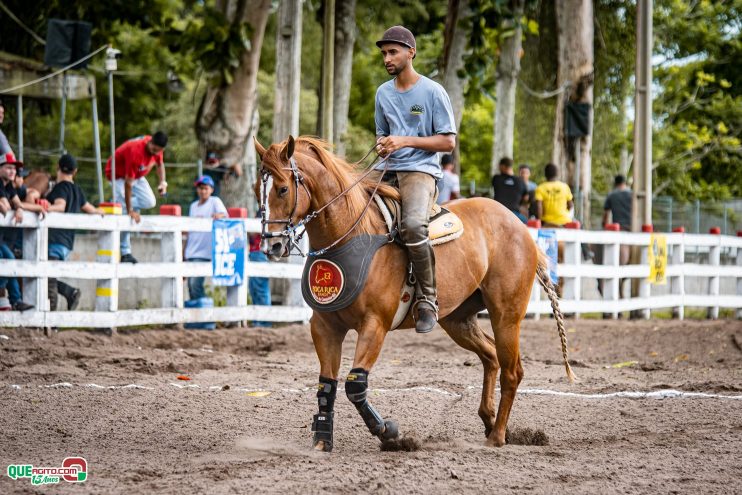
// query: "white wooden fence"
[[35, 270]]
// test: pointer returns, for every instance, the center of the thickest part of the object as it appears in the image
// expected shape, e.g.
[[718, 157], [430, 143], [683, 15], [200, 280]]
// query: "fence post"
[[739, 279], [573, 256], [172, 252], [36, 248], [644, 288], [107, 290], [677, 283], [714, 261], [611, 257]]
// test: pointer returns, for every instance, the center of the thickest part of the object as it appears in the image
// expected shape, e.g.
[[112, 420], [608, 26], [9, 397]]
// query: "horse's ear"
[[288, 150], [259, 147]]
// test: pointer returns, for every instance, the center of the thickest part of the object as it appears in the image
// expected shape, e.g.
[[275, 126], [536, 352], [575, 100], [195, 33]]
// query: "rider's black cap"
[[398, 34]]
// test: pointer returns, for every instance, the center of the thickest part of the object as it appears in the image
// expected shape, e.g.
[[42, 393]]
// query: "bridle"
[[294, 232]]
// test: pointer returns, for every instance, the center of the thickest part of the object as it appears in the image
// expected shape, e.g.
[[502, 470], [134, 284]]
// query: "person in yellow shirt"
[[553, 199]]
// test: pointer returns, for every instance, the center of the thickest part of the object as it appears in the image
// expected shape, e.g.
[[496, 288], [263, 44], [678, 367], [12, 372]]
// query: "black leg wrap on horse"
[[356, 388], [322, 422]]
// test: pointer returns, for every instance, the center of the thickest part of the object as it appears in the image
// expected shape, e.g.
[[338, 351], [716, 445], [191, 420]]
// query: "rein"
[[292, 231]]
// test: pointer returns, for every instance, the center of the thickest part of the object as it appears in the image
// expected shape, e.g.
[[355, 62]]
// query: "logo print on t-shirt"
[[417, 110]]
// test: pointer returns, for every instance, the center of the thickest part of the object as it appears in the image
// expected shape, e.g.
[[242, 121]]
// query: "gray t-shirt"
[[4, 145], [447, 185], [619, 202], [423, 110]]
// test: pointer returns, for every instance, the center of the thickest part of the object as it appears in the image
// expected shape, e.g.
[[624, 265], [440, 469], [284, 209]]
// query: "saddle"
[[444, 225]]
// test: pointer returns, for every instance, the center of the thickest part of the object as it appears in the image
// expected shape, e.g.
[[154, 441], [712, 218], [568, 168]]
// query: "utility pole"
[[642, 200], [111, 66]]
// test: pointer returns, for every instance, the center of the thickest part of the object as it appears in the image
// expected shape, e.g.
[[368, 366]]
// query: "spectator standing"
[[218, 170], [553, 199], [449, 187], [509, 190], [4, 145], [198, 244], [10, 293], [260, 290], [618, 204], [65, 197], [134, 160], [528, 206]]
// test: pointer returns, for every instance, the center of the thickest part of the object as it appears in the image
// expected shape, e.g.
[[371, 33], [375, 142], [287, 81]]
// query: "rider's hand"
[[135, 216], [389, 144], [162, 188]]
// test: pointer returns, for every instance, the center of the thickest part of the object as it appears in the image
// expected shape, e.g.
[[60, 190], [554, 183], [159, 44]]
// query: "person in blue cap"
[[198, 244]]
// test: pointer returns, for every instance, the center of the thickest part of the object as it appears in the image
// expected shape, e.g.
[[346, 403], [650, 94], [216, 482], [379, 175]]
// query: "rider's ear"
[[288, 150], [259, 148]]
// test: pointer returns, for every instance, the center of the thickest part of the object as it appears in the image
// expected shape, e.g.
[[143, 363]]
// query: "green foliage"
[[698, 107], [698, 103], [215, 45]]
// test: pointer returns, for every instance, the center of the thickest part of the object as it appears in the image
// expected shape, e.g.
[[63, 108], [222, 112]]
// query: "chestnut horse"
[[491, 266]]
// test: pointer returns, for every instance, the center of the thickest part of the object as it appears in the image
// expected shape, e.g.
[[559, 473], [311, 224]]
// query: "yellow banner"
[[657, 259]]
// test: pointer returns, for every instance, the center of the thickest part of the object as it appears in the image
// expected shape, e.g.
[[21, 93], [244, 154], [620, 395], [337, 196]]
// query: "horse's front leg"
[[328, 343], [370, 340]]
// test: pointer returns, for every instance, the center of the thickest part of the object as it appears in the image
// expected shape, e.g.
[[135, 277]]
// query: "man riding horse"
[[414, 121]]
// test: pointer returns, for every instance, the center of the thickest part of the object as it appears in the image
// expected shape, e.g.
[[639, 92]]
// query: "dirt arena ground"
[[68, 396]]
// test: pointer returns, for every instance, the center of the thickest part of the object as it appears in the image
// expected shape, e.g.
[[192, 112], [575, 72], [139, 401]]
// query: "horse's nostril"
[[276, 248]]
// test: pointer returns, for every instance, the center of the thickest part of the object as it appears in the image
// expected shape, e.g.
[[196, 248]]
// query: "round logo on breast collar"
[[326, 281]]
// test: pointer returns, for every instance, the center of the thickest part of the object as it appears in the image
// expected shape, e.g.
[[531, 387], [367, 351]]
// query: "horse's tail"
[[545, 280]]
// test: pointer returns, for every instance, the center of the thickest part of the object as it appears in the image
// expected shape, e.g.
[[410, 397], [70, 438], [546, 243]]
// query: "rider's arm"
[[442, 143]]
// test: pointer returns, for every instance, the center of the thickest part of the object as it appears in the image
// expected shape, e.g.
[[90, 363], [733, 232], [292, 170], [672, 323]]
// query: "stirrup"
[[433, 306]]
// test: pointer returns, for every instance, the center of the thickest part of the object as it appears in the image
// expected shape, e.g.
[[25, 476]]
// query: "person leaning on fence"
[[65, 197], [198, 244], [134, 160], [10, 293], [509, 190], [553, 199]]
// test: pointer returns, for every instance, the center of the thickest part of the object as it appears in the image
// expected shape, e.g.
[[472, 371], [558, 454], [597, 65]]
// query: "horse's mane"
[[345, 176]]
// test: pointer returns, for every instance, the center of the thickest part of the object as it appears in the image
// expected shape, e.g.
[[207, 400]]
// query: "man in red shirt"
[[134, 160]]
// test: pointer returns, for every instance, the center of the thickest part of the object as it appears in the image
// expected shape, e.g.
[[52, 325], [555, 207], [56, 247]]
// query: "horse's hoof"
[[391, 430], [322, 446]]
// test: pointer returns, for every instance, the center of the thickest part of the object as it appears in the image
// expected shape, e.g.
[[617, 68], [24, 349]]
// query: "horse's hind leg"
[[467, 333], [328, 343], [507, 342]]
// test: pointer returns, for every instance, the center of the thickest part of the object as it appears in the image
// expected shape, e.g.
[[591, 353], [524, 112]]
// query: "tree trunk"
[[508, 68], [288, 70], [456, 33], [326, 113], [575, 40], [345, 38], [226, 112]]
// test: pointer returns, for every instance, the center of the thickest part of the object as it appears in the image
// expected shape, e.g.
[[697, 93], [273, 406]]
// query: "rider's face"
[[396, 57]]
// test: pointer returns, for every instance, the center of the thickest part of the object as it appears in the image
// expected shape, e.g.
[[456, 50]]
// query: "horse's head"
[[284, 198]]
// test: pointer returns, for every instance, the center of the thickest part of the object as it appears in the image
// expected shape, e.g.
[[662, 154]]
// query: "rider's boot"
[[426, 305]]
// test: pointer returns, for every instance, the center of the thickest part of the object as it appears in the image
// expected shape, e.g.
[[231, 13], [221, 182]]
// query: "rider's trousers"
[[417, 190]]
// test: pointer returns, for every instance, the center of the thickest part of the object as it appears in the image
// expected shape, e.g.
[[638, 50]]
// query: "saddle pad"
[[333, 280], [444, 225]]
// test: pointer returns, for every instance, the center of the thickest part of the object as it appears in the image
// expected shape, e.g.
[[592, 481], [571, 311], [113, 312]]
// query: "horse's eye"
[[282, 192]]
